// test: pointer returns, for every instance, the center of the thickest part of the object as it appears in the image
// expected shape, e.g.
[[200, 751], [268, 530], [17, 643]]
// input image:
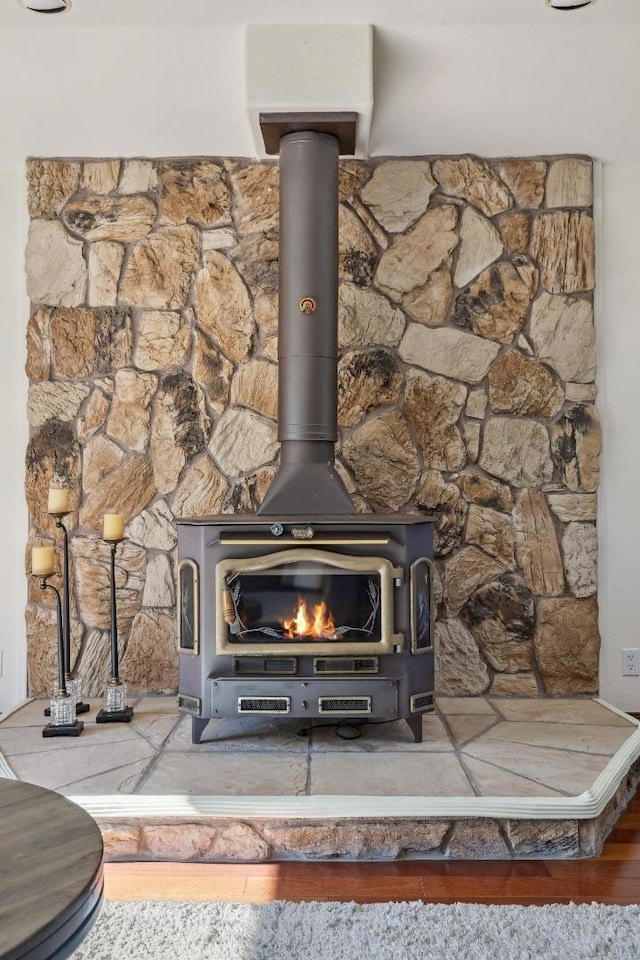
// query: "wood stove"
[[306, 618], [306, 609]]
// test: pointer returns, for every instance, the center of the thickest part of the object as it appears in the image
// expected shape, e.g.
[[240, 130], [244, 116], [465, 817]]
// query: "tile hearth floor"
[[473, 747]]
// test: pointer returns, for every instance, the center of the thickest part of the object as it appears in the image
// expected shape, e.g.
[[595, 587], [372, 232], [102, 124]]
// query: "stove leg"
[[197, 728], [415, 725]]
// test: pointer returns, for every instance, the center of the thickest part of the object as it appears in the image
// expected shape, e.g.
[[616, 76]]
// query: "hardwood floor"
[[612, 878]]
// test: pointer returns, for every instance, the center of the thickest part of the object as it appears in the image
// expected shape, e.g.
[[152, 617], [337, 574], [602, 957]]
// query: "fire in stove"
[[318, 625], [258, 605]]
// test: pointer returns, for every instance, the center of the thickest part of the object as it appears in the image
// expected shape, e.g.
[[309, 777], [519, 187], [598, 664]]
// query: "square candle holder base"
[[80, 708], [63, 729], [115, 716]]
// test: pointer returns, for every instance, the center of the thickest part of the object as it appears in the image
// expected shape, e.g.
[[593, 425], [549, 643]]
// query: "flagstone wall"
[[466, 387]]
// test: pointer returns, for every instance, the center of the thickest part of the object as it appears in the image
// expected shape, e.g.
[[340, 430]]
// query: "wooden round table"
[[50, 873]]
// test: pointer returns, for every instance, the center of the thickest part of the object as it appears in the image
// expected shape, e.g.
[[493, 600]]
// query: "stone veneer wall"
[[467, 365]]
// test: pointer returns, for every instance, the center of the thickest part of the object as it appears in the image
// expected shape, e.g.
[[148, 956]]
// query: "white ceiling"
[[139, 13], [166, 77]]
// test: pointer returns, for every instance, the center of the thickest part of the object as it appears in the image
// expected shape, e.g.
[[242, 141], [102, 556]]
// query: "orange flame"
[[301, 625]]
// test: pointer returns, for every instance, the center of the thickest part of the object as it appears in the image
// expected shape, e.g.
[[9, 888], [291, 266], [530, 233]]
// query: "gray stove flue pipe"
[[307, 482]]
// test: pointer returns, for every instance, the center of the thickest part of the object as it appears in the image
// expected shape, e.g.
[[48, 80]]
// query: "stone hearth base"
[[493, 779]]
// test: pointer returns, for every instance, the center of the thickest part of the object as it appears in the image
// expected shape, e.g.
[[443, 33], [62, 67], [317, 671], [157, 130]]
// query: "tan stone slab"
[[120, 780], [228, 774], [390, 775], [536, 544], [154, 727], [382, 456], [514, 685], [245, 734], [413, 257], [466, 727], [398, 192], [564, 710], [463, 574], [562, 770], [22, 741], [30, 715], [396, 737], [480, 244], [152, 705], [491, 781], [582, 737], [448, 352], [448, 705], [459, 667], [573, 506], [569, 183], [149, 661], [242, 441], [366, 317], [567, 645], [517, 450], [56, 269], [473, 180], [82, 761], [563, 243], [560, 839], [477, 839]]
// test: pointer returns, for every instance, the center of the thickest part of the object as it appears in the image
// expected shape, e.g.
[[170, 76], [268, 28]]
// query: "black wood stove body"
[[321, 617], [306, 609]]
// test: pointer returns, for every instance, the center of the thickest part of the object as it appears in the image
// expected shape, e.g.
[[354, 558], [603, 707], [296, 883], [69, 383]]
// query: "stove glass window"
[[421, 606], [188, 607], [303, 602]]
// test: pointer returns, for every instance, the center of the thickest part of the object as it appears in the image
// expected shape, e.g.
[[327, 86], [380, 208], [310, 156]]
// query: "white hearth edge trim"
[[585, 806], [5, 770]]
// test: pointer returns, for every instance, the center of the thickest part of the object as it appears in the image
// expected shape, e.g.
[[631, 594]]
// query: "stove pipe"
[[307, 482]]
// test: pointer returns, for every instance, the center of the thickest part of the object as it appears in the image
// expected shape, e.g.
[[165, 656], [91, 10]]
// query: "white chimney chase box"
[[310, 68]]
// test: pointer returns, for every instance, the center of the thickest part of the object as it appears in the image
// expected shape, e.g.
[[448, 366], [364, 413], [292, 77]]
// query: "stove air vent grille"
[[277, 665], [264, 704], [422, 701], [336, 665], [345, 706], [188, 704]]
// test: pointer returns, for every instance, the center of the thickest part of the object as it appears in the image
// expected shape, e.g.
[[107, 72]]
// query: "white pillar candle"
[[58, 500], [42, 561], [113, 528]]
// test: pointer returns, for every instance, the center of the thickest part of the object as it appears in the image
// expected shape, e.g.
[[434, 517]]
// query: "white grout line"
[[586, 806]]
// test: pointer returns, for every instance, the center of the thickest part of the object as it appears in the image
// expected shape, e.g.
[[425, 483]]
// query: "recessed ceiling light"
[[569, 4], [46, 6]]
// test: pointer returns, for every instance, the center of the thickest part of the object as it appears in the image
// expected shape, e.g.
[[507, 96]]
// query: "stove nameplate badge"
[[302, 533]]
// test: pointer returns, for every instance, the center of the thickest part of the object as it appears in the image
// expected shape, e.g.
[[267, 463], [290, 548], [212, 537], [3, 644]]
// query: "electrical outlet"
[[631, 662]]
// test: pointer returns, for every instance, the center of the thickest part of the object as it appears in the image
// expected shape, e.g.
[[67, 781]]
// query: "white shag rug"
[[152, 930]]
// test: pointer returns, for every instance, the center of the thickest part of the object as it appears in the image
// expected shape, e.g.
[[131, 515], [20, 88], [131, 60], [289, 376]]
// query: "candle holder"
[[62, 711], [115, 708], [73, 685]]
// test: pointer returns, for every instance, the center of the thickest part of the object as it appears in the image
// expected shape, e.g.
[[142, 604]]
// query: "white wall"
[[13, 439], [618, 319], [557, 83]]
